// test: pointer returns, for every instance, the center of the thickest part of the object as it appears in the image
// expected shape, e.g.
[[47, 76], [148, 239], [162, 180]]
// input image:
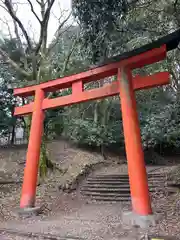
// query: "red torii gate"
[[124, 87]]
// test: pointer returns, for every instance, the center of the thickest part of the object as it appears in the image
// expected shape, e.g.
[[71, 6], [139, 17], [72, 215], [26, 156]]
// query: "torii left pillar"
[[33, 153]]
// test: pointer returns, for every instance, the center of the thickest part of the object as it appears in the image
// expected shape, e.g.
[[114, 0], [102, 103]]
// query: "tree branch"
[[4, 8], [33, 11], [7, 24], [175, 3], [13, 64], [68, 56], [20, 45], [44, 25], [15, 30], [15, 18], [38, 2], [66, 62], [60, 33]]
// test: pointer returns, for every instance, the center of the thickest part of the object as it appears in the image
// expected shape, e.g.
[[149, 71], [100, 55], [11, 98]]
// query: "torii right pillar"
[[140, 198]]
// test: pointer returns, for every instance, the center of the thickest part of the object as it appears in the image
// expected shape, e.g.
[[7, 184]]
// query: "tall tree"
[[7, 102], [112, 29], [31, 57]]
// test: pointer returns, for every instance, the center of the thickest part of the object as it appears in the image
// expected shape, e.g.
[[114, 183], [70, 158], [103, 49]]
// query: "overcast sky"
[[30, 22]]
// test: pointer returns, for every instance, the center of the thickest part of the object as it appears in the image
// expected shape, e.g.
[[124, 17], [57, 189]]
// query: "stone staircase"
[[116, 187]]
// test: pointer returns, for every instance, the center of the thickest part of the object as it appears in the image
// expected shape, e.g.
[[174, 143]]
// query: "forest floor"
[[68, 215]]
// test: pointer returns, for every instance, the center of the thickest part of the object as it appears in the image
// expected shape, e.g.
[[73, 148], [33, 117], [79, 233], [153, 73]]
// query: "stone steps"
[[88, 191], [107, 194], [117, 182], [106, 191], [116, 187], [104, 185], [123, 176], [110, 199]]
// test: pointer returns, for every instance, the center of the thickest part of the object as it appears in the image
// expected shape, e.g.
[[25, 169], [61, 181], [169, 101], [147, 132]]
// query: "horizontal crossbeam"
[[108, 90], [138, 61]]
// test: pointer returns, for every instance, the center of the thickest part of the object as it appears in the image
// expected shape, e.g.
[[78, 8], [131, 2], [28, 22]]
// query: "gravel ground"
[[68, 214], [92, 221], [101, 221]]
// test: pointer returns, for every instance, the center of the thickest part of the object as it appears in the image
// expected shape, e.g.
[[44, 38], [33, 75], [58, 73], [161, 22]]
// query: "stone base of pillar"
[[133, 219], [29, 212]]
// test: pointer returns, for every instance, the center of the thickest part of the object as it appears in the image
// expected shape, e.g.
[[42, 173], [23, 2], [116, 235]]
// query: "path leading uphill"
[[95, 220]]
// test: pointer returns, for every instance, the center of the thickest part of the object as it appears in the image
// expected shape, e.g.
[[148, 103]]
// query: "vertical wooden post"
[[77, 88], [134, 151], [33, 153]]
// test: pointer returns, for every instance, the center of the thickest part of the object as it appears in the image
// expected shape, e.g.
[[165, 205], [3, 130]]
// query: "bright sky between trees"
[[61, 8]]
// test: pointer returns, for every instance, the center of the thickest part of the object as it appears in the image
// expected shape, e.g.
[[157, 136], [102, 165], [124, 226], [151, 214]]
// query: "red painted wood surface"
[[32, 158], [108, 90], [138, 61], [135, 157]]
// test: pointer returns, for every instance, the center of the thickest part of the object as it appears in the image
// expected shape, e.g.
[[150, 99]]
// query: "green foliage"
[[7, 101], [162, 128], [53, 124], [97, 128], [86, 132], [106, 28], [98, 20]]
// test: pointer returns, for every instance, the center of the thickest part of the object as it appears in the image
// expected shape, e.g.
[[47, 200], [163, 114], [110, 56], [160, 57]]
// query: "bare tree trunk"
[[96, 113], [13, 134], [37, 54], [13, 126]]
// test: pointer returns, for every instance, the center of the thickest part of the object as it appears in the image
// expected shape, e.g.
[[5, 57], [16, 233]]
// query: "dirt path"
[[67, 214], [92, 221], [97, 221]]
